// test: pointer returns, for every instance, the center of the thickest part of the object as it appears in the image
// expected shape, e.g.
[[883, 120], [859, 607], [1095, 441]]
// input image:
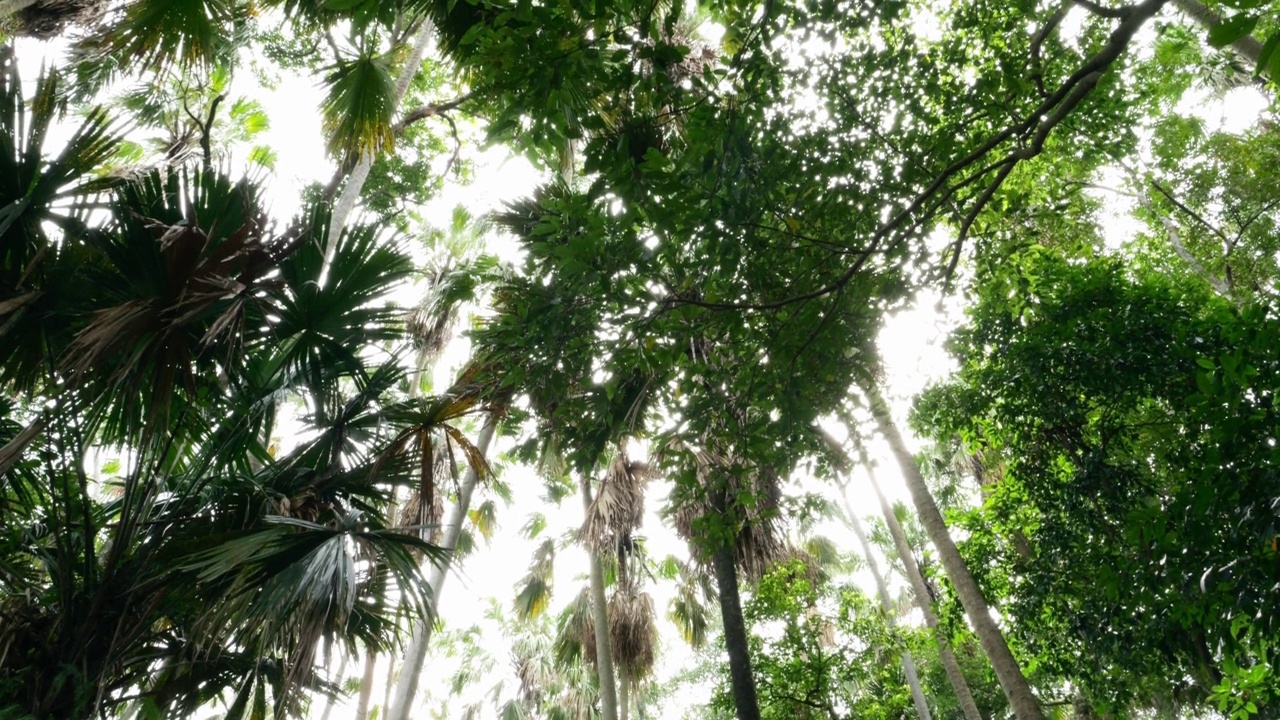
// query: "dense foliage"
[[224, 460]]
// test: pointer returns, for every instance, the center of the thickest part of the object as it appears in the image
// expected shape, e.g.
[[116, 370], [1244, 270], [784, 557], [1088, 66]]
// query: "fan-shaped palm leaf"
[[332, 318], [161, 33], [575, 639], [360, 107], [690, 610], [296, 581], [39, 285], [534, 593]]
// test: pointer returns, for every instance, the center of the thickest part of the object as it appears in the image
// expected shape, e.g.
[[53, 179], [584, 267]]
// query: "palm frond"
[[534, 594], [575, 639], [159, 34], [618, 506], [632, 632], [359, 109]]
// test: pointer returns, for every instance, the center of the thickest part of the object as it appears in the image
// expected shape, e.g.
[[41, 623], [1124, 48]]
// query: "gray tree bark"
[[366, 685], [921, 593], [908, 665], [1014, 684], [741, 681], [328, 702], [600, 623], [1247, 46], [955, 677], [416, 652], [624, 697]]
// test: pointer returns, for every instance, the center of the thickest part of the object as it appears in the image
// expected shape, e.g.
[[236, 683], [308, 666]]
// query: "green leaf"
[[1232, 29], [1269, 59]]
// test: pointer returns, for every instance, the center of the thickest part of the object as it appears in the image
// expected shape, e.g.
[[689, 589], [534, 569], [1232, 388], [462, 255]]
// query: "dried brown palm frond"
[[530, 676], [757, 537], [757, 548], [809, 566], [618, 507], [46, 19], [632, 632], [412, 513]]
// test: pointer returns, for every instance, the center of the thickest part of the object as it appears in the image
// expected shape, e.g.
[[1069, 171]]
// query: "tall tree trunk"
[[366, 684], [328, 702], [600, 623], [921, 593], [908, 665], [742, 682], [1021, 699], [416, 652], [951, 666], [388, 686], [1247, 46], [624, 696]]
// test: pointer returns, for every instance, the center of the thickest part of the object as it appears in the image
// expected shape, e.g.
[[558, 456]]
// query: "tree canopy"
[[228, 438]]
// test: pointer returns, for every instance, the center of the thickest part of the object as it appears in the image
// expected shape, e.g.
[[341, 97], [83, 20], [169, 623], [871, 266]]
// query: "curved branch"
[[421, 113]]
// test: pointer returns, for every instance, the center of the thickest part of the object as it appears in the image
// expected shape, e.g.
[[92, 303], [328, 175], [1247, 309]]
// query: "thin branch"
[[1039, 124], [1037, 65], [421, 113], [1119, 13], [206, 130], [1252, 219], [1171, 230], [457, 146], [1188, 211]]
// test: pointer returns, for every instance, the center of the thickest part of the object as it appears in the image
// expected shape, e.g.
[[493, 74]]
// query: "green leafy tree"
[[1123, 423]]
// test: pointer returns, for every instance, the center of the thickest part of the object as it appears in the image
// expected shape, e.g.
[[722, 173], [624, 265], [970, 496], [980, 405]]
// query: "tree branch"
[[1102, 11], [421, 113], [1191, 213]]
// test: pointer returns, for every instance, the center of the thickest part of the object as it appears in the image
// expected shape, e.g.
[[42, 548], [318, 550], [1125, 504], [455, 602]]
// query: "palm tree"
[[1016, 688], [205, 565], [733, 537], [613, 518], [600, 620], [415, 654]]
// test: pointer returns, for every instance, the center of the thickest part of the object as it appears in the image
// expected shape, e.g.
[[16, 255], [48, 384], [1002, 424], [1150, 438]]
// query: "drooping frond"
[[360, 107], [618, 506], [534, 594], [632, 632]]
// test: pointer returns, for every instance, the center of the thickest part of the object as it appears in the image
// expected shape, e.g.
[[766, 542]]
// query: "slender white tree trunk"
[[1016, 688], [600, 621], [955, 677], [416, 652], [624, 697], [908, 665], [388, 685], [328, 703], [346, 202], [366, 685]]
